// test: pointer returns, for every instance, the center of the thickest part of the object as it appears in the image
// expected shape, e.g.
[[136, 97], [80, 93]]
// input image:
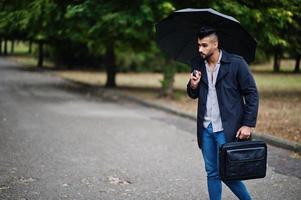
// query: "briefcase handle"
[[244, 140]]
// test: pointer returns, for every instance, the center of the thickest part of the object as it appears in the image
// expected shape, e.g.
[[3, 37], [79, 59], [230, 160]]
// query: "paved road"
[[59, 142]]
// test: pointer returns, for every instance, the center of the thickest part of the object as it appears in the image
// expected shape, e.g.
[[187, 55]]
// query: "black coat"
[[236, 93]]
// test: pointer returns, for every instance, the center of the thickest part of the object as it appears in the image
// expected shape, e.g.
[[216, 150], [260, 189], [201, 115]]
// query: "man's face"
[[207, 46]]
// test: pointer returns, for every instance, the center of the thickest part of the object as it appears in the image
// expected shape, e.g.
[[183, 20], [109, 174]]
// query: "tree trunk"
[[167, 84], [0, 46], [277, 59], [30, 47], [5, 47], [111, 68], [12, 49], [297, 65], [40, 54]]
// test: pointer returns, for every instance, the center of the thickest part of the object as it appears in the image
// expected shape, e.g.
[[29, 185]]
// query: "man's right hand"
[[195, 79]]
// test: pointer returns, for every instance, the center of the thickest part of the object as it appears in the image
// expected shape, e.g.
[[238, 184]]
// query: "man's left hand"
[[244, 133]]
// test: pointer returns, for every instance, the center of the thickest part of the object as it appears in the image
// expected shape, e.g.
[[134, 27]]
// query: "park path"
[[57, 141]]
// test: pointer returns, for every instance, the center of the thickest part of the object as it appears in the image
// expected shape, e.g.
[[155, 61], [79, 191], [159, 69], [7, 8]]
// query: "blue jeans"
[[210, 144]]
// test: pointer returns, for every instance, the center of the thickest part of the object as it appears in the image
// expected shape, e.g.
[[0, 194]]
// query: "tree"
[[109, 27], [12, 24], [267, 20], [44, 23], [293, 34], [37, 23], [129, 26]]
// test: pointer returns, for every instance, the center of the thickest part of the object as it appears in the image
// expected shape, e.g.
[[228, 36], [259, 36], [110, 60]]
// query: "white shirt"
[[212, 114]]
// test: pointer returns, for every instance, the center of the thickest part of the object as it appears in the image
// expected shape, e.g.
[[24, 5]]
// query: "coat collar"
[[225, 57]]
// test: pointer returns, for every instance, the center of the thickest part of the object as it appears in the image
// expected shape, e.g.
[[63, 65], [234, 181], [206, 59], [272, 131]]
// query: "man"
[[227, 105]]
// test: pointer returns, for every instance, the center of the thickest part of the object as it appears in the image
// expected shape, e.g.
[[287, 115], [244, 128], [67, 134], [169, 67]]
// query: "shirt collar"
[[220, 57]]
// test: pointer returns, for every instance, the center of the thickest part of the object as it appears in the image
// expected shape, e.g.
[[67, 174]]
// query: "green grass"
[[278, 82], [19, 47], [287, 65], [266, 80], [21, 55]]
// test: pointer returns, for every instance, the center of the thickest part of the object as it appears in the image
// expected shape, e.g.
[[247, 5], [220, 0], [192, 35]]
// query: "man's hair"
[[205, 31]]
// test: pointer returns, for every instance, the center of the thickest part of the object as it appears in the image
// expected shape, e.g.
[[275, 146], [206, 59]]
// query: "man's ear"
[[216, 43]]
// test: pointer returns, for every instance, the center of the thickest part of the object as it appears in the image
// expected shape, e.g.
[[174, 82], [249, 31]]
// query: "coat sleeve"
[[192, 93], [248, 88]]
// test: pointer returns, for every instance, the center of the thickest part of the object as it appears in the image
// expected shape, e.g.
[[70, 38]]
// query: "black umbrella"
[[177, 34]]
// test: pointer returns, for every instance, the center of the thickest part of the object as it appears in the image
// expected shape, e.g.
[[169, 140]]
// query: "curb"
[[270, 139]]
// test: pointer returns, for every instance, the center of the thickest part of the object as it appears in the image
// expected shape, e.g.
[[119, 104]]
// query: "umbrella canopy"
[[177, 34]]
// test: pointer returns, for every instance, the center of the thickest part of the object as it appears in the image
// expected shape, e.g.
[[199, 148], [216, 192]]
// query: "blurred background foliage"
[[119, 36]]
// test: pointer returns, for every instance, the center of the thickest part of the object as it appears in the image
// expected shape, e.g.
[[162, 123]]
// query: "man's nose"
[[200, 49]]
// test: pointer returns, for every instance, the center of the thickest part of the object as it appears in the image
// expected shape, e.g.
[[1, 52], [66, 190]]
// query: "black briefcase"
[[243, 160]]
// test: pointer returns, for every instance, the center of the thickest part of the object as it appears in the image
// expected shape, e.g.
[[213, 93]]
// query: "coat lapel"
[[204, 73], [224, 69]]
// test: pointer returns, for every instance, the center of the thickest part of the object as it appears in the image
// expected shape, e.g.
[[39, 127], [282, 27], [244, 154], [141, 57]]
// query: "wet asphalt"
[[59, 141]]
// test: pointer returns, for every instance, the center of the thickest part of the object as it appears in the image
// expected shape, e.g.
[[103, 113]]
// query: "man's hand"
[[244, 133], [195, 79]]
